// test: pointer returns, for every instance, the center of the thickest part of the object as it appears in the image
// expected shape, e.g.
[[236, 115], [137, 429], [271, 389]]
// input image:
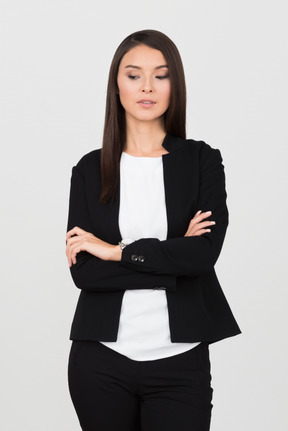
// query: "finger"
[[199, 217], [205, 224], [204, 215], [74, 251], [72, 256], [75, 231], [68, 256], [201, 232], [72, 244], [74, 239], [67, 251], [196, 223], [75, 248], [74, 261], [198, 226]]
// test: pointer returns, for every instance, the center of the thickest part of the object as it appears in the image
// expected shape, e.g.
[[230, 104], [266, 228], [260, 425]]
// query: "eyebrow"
[[139, 68]]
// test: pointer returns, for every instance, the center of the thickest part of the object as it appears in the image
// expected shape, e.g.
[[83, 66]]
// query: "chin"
[[148, 116]]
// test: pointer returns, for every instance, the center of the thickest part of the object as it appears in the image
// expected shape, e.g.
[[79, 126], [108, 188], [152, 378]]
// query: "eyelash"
[[133, 77]]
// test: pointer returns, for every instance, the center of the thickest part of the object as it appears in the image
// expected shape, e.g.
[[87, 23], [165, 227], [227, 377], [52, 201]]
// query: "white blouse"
[[143, 332]]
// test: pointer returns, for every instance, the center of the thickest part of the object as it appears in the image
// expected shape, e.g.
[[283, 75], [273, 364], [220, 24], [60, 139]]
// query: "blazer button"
[[141, 258], [134, 257]]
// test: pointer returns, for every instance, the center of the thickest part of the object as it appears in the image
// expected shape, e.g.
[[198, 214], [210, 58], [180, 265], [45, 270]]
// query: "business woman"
[[147, 221]]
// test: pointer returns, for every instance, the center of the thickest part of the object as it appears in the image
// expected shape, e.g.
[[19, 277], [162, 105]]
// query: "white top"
[[143, 332]]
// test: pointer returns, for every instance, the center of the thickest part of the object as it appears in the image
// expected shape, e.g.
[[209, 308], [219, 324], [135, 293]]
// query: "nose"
[[146, 90], [147, 87]]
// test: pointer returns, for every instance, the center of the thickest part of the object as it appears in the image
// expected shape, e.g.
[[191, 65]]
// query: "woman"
[[147, 220]]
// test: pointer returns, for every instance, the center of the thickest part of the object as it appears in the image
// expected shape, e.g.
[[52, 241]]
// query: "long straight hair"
[[114, 135]]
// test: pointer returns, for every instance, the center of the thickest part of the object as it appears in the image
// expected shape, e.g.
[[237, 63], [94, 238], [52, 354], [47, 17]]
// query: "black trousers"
[[112, 392]]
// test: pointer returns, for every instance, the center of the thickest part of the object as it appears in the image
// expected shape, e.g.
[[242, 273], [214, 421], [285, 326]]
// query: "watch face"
[[122, 245], [125, 242]]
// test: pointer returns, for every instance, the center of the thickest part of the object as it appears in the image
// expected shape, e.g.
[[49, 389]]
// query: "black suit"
[[194, 180]]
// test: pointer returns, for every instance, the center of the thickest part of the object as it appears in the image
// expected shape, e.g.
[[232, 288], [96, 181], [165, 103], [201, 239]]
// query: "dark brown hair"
[[114, 135]]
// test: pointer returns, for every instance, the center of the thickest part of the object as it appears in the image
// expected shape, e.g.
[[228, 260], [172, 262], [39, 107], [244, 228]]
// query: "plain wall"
[[55, 57]]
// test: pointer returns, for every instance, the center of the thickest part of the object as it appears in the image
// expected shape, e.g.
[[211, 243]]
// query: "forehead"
[[143, 56]]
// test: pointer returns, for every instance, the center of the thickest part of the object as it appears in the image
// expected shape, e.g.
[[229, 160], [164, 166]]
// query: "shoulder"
[[89, 162], [201, 147], [205, 152], [197, 149]]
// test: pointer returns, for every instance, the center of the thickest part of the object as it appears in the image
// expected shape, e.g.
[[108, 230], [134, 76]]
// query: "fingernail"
[[208, 230], [209, 212], [213, 222], [199, 212]]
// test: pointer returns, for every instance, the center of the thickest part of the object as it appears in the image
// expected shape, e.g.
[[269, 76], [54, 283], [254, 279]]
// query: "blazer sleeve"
[[194, 255], [94, 274]]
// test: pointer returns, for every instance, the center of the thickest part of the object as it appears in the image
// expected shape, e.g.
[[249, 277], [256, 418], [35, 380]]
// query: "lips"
[[146, 102]]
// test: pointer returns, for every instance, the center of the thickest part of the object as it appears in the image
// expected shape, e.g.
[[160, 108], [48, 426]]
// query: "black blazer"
[[194, 180]]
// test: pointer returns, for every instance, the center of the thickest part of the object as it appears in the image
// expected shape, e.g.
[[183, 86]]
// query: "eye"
[[162, 76], [133, 77]]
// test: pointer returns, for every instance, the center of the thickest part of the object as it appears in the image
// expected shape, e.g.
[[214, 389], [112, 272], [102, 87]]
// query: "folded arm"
[[95, 274], [190, 255]]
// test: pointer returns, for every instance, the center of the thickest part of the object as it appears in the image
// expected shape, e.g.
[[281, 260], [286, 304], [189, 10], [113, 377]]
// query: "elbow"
[[75, 277], [212, 252], [216, 248], [78, 272]]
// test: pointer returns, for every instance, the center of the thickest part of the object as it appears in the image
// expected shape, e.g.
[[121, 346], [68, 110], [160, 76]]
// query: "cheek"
[[124, 89], [166, 93], [125, 94]]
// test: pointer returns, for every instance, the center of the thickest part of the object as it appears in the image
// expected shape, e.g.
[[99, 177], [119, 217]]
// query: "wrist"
[[116, 253], [122, 244]]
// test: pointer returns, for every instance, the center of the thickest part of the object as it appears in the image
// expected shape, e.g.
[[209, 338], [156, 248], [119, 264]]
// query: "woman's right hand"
[[197, 226]]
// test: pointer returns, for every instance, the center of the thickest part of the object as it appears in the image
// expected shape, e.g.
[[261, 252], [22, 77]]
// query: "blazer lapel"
[[179, 196], [179, 186]]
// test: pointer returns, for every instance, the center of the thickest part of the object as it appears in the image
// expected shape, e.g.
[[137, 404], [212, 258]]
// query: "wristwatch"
[[125, 242]]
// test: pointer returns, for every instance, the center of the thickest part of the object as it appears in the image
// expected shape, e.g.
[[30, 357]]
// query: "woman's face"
[[144, 84]]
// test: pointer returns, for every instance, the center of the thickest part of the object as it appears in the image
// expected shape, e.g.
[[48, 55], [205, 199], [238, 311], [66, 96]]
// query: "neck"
[[145, 138]]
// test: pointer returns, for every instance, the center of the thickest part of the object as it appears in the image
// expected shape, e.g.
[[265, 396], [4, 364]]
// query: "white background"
[[55, 57]]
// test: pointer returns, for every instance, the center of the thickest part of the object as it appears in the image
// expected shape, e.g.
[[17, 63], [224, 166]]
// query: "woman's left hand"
[[85, 241]]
